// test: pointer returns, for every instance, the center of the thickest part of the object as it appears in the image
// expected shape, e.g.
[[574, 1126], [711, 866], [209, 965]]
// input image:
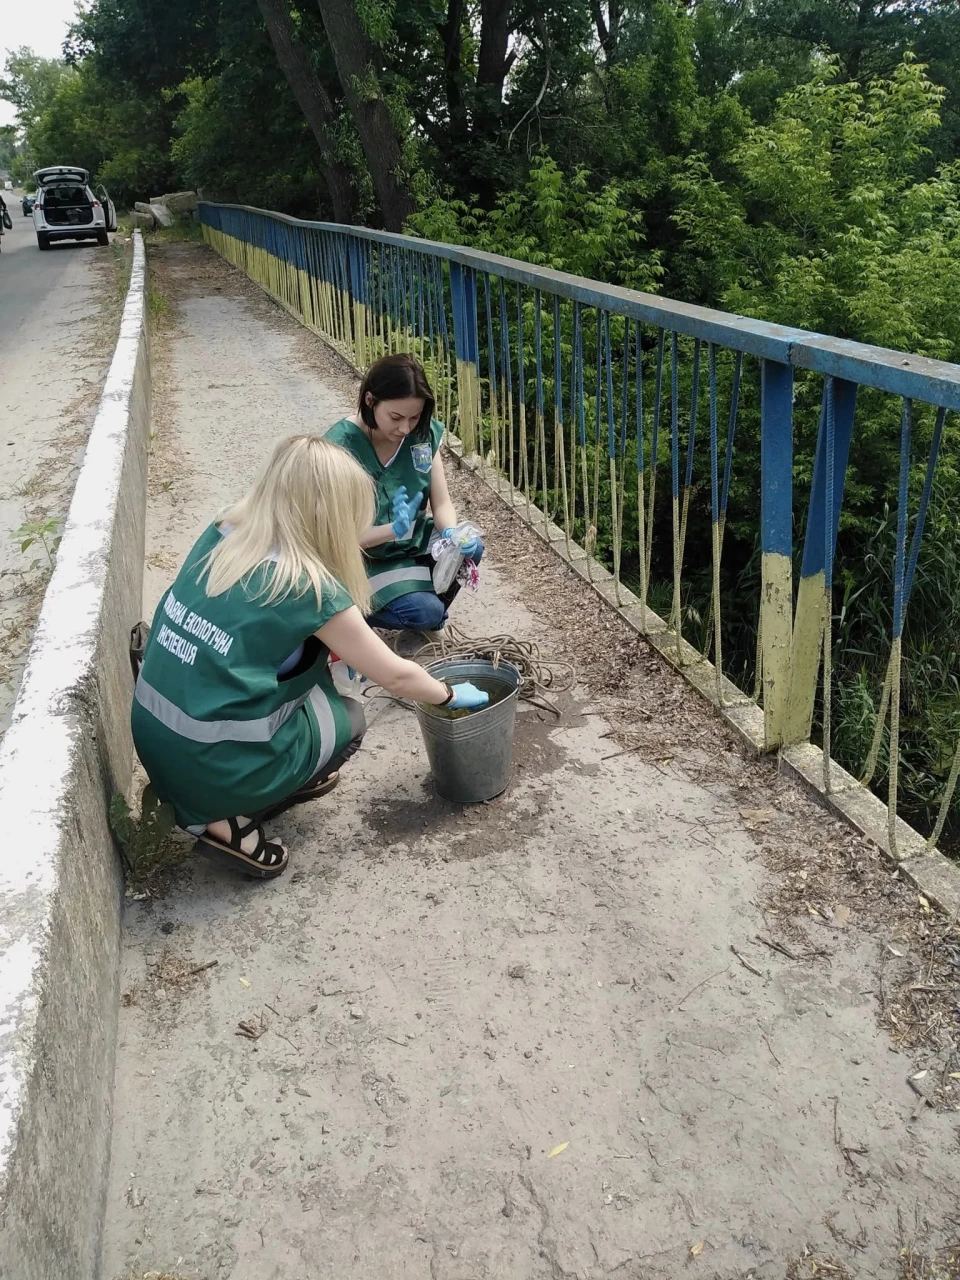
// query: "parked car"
[[26, 204], [67, 208]]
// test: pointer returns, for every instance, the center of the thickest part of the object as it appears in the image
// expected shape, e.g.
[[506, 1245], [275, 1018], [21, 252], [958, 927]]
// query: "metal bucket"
[[470, 755]]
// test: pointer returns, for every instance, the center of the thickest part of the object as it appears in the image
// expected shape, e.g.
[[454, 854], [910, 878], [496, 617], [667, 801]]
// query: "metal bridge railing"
[[582, 394]]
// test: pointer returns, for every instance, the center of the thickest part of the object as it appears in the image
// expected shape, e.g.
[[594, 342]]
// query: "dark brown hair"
[[397, 378]]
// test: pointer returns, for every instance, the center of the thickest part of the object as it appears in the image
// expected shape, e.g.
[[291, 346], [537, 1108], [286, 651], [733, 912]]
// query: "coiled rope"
[[539, 676]]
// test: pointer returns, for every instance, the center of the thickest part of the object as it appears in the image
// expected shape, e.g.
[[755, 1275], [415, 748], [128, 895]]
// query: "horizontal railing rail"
[[581, 393], [935, 381]]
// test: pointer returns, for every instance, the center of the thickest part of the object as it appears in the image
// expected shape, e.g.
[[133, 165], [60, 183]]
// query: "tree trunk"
[[353, 55], [607, 27], [604, 34], [313, 101], [492, 64], [452, 35], [865, 12]]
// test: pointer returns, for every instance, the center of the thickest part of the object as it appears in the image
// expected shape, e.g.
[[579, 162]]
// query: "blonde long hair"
[[307, 510]]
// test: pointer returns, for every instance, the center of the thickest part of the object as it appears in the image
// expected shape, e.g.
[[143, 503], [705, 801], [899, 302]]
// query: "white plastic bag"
[[447, 553], [347, 681]]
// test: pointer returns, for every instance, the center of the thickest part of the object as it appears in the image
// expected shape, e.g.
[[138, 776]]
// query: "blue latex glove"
[[400, 500], [405, 513], [470, 548], [467, 695]]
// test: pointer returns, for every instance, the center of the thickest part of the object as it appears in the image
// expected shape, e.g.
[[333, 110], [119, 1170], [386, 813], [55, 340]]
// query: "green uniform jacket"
[[218, 734], [395, 568]]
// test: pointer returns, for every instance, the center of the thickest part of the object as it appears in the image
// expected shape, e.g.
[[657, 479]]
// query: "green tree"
[[828, 219], [147, 46], [313, 99], [869, 38], [556, 220], [8, 147], [354, 53], [30, 83], [241, 136], [73, 117]]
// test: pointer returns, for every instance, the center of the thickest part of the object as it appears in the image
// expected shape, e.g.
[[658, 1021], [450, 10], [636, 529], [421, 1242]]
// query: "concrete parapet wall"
[[67, 750]]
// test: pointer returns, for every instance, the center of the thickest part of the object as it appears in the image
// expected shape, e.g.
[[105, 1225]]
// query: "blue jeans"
[[417, 610]]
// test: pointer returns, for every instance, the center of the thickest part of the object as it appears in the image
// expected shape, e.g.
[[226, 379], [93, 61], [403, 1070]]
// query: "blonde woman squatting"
[[235, 714]]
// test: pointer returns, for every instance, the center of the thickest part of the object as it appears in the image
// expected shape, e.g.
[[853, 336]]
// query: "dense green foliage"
[[794, 160], [8, 147]]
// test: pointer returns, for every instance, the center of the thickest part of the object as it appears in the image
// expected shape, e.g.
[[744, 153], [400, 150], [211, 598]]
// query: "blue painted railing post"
[[463, 293], [820, 543], [358, 292], [776, 543]]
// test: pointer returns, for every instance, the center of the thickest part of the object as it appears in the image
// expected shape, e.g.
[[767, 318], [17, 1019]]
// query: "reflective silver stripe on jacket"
[[387, 577], [325, 723], [177, 721]]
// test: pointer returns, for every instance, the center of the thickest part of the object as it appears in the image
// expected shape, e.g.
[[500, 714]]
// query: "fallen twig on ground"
[[777, 946], [745, 962], [695, 989]]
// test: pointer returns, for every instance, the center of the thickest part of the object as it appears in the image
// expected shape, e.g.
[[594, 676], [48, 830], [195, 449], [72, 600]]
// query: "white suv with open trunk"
[[67, 208]]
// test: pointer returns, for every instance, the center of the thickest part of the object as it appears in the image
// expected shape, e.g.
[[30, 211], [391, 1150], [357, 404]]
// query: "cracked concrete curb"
[[935, 876], [68, 749]]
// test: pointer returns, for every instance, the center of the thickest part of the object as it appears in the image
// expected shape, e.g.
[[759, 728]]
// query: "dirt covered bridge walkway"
[[649, 1014]]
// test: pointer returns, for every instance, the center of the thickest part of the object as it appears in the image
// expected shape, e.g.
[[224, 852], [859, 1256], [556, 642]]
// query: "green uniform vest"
[[218, 734], [395, 568]]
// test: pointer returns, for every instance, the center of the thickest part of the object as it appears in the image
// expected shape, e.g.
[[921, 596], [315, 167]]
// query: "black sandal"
[[311, 791], [269, 859]]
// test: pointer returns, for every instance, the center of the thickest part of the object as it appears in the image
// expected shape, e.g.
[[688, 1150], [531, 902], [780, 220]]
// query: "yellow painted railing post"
[[776, 542], [839, 401], [360, 335]]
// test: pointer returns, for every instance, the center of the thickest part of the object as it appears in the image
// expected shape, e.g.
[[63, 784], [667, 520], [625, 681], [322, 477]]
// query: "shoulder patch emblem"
[[422, 456]]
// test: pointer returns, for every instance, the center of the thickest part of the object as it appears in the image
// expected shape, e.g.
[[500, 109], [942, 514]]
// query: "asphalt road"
[[56, 338], [26, 274]]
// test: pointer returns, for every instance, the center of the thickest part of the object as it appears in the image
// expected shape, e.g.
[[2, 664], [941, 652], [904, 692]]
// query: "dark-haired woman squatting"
[[396, 439]]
